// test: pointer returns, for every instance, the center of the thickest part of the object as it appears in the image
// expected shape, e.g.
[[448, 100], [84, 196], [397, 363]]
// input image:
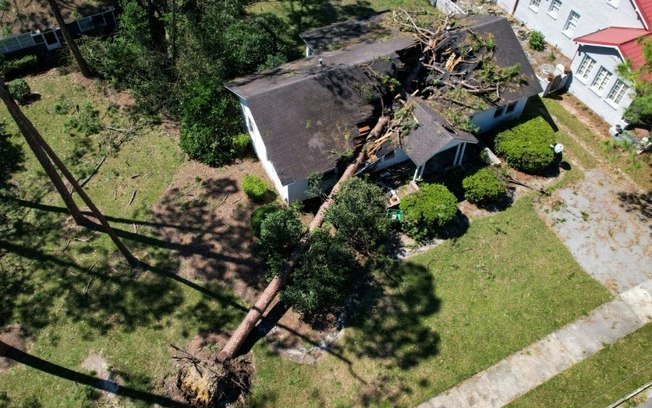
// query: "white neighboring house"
[[595, 80], [561, 21], [597, 35], [304, 116]]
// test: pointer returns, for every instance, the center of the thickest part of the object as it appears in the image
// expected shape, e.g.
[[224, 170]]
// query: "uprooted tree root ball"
[[213, 384], [203, 381]]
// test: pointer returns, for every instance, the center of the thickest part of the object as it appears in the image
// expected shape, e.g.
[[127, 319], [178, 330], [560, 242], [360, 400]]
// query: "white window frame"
[[613, 3], [585, 68], [571, 24], [534, 5], [554, 11], [617, 92], [601, 80]]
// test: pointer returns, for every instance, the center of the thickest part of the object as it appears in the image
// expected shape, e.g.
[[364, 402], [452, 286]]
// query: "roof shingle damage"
[[308, 111]]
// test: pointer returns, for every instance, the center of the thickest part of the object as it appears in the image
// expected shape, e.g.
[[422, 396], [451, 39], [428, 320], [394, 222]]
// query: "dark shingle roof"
[[431, 134], [307, 114], [340, 34], [508, 52]]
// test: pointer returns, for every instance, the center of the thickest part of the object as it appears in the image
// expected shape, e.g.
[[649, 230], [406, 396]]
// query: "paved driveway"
[[612, 244]]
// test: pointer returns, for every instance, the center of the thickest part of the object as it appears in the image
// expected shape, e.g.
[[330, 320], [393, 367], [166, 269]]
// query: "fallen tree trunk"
[[268, 295]]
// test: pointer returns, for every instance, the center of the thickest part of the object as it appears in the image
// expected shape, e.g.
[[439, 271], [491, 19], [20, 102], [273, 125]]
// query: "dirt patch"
[[205, 215], [202, 381], [15, 336], [98, 367]]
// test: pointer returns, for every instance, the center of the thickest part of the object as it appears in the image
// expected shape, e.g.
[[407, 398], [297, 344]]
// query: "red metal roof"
[[612, 36], [644, 8], [626, 40], [633, 51]]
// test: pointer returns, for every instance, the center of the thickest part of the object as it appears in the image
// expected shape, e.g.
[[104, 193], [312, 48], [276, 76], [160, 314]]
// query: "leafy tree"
[[359, 214], [324, 277], [259, 215], [210, 119], [640, 110], [432, 207], [280, 233]]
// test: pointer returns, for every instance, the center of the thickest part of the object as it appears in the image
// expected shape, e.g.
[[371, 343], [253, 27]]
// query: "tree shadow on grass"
[[307, 14], [12, 158], [391, 326], [80, 378], [390, 317]]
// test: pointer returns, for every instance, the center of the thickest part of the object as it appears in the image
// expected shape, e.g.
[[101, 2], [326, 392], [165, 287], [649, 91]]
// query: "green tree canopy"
[[324, 277], [359, 214], [640, 110]]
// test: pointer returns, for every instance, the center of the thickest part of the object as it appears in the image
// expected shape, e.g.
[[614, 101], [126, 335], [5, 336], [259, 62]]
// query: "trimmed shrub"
[[484, 186], [19, 90], [536, 41], [432, 207], [527, 146], [17, 66], [259, 215], [255, 188]]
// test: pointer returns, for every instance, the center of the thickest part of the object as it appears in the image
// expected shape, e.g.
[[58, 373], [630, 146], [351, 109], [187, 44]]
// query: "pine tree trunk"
[[70, 42], [40, 147], [257, 311], [42, 157]]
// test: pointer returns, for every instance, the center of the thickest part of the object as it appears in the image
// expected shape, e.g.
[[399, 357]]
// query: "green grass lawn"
[[637, 167], [600, 380], [66, 286], [444, 316], [454, 311]]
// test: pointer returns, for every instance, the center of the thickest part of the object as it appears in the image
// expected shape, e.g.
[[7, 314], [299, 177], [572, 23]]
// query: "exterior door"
[[51, 40]]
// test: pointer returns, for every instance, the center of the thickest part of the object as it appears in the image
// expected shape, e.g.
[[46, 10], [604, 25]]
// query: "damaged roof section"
[[340, 34], [308, 112], [431, 134]]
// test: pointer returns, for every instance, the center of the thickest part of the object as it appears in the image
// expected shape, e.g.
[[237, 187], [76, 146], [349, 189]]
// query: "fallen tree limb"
[[268, 295]]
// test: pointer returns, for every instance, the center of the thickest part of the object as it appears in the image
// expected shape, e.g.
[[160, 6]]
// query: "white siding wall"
[[608, 58], [261, 151], [399, 157], [297, 191], [594, 15], [486, 121]]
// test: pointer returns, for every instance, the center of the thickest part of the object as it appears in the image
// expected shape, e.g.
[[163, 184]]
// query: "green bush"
[[240, 144], [484, 186], [527, 146], [19, 90], [87, 122], [255, 188], [62, 106], [432, 207], [536, 41], [17, 66], [259, 215]]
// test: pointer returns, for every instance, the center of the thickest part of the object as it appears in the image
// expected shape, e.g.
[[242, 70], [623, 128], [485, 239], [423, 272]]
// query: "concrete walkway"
[[517, 374]]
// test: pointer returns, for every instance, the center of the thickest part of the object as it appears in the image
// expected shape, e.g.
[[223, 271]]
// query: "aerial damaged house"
[[306, 118]]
